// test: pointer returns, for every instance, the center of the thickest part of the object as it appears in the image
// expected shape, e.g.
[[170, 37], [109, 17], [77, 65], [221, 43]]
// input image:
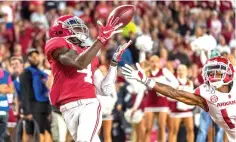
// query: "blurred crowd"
[[162, 32]]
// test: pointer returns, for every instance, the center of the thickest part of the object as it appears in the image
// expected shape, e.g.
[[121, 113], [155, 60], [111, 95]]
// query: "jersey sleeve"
[[197, 92], [53, 44]]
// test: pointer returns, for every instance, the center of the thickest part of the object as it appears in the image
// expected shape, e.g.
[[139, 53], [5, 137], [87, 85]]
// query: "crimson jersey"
[[221, 107], [69, 83]]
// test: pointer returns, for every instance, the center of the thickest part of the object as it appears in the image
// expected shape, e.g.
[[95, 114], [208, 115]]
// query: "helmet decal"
[[69, 27]]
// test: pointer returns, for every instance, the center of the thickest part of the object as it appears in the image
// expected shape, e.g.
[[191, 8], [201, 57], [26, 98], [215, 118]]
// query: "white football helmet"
[[218, 72]]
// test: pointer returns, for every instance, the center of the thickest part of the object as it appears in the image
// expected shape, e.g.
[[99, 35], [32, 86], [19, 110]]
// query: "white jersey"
[[221, 107]]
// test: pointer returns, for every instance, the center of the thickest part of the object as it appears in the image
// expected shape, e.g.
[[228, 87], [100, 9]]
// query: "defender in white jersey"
[[217, 95]]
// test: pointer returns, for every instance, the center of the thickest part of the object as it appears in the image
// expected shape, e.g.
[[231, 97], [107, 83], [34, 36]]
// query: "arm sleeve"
[[140, 94], [25, 84], [108, 83], [98, 77]]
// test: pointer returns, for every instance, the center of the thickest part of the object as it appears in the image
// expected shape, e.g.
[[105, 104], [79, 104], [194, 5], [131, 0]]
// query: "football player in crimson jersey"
[[216, 95], [74, 70]]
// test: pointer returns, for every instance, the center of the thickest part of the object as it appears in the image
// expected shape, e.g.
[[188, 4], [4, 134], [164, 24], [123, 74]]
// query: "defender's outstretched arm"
[[180, 95], [168, 91]]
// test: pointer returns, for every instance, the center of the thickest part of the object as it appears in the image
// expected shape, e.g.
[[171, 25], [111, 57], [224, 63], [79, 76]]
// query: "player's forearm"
[[163, 89], [170, 92], [7, 90], [112, 73], [109, 81], [84, 59], [2, 89], [139, 98]]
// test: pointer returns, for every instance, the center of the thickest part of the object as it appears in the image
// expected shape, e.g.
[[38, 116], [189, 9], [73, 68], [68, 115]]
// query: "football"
[[124, 14]]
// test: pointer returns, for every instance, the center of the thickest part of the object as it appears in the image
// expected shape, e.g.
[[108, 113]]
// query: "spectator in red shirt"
[[86, 16], [39, 38], [190, 4], [24, 34], [227, 32], [6, 35], [102, 10], [208, 4], [225, 5]]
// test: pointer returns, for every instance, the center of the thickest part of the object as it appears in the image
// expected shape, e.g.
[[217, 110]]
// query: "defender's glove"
[[106, 32], [139, 75], [120, 50]]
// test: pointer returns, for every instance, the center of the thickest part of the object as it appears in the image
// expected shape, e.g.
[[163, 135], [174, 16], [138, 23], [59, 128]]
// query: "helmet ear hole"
[[228, 78], [59, 32]]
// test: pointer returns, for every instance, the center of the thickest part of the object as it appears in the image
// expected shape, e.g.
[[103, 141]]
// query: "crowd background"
[[170, 26]]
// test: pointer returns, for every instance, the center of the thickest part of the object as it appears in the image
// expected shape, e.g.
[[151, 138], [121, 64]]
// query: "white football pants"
[[83, 119]]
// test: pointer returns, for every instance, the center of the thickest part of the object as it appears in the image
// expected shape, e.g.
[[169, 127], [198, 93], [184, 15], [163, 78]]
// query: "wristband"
[[113, 60], [102, 40], [150, 83]]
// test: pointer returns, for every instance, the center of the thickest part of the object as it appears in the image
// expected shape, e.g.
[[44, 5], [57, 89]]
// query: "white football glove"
[[139, 75], [120, 50]]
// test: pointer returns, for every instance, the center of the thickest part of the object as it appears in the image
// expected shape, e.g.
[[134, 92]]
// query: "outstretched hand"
[[106, 32], [119, 52], [131, 73], [138, 74]]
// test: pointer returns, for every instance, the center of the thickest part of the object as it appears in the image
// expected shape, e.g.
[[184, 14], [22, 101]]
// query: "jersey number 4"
[[88, 72], [226, 118]]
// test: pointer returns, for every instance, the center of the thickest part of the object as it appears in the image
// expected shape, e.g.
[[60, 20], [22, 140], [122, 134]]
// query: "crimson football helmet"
[[218, 72], [69, 27]]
